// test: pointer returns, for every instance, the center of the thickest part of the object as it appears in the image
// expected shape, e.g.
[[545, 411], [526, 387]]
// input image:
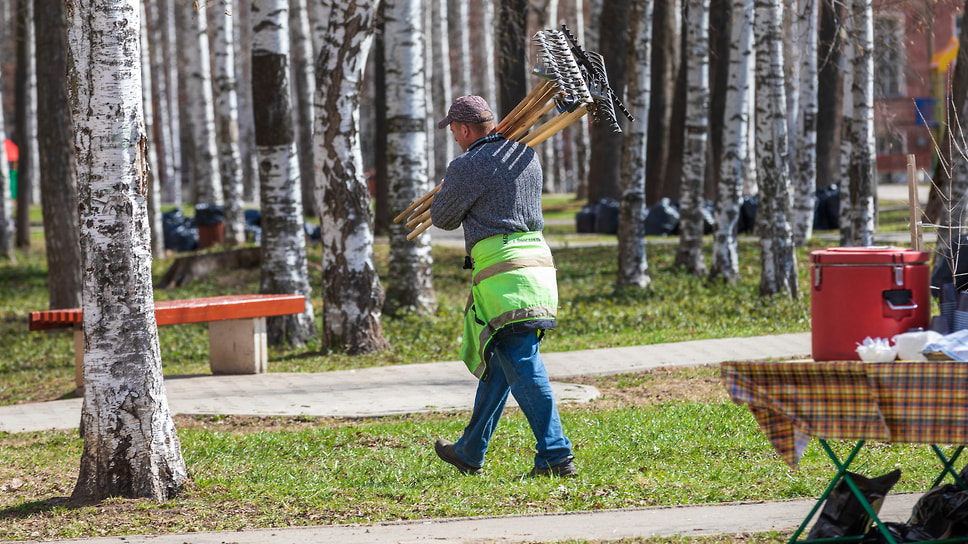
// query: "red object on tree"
[[13, 152]]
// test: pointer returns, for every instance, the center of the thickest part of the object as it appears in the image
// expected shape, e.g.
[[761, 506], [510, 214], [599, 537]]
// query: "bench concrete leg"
[[238, 346]]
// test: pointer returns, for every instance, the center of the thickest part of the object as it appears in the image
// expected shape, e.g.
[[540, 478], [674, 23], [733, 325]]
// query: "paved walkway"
[[406, 388]]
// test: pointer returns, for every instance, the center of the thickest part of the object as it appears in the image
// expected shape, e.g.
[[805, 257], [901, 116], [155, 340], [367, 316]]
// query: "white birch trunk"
[[227, 118], [284, 266], [442, 88], [863, 154], [170, 27], [130, 445], [689, 253], [410, 281], [352, 294], [846, 144], [161, 135], [6, 209], [205, 167], [734, 167], [464, 59], [805, 170], [304, 80], [633, 268], [488, 69], [579, 129], [777, 255], [154, 195]]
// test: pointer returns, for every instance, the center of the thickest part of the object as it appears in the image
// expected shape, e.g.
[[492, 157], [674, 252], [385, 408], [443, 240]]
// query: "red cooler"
[[858, 292]]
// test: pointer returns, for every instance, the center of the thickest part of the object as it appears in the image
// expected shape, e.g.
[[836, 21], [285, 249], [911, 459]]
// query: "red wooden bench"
[[236, 327]]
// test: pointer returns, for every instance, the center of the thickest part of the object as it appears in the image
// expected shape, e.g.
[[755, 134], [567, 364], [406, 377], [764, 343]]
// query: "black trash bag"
[[585, 220], [662, 219], [313, 232], [747, 215], [942, 269], [253, 226], [606, 217], [942, 512], [843, 514], [826, 210], [207, 215], [179, 231]]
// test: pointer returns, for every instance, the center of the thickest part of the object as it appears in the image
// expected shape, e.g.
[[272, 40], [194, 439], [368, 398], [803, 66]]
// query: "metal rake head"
[[556, 63], [592, 67]]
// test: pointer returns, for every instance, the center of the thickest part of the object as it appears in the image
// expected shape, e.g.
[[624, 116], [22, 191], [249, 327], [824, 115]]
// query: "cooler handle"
[[894, 300]]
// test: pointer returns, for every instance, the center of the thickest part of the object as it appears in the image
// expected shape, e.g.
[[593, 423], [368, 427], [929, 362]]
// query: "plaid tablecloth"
[[901, 401]]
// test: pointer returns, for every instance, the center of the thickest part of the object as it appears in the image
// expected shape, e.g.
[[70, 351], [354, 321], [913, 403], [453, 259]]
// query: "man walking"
[[493, 190]]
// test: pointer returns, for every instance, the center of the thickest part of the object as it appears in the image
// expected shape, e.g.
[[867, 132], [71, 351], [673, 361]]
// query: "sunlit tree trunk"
[[579, 129], [227, 121], [863, 154], [169, 28], [689, 254], [160, 135], [205, 167], [410, 281], [446, 148], [777, 255], [352, 293], [131, 448], [846, 144], [154, 196], [633, 268], [805, 163], [304, 87], [734, 166], [56, 149], [284, 266], [6, 210]]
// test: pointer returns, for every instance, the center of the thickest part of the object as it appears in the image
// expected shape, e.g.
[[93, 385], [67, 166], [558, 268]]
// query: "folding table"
[[895, 402]]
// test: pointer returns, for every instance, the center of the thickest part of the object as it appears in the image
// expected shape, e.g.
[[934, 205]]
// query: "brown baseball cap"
[[467, 109]]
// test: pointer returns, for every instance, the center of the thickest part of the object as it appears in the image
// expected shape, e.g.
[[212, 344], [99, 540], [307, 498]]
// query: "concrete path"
[[448, 386]]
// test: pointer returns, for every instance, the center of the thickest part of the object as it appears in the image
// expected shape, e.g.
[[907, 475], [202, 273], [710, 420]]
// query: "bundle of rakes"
[[574, 83]]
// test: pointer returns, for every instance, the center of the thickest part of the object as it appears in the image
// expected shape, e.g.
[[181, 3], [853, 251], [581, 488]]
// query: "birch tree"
[[689, 253], [734, 166], [442, 93], [777, 255], [633, 268], [284, 266], [410, 281], [161, 136], [227, 122], [169, 29], [805, 163], [205, 167], [304, 87], [863, 153], [56, 148], [154, 195], [352, 294], [130, 445], [7, 225], [846, 143]]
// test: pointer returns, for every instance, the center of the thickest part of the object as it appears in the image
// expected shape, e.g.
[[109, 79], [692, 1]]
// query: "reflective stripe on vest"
[[514, 281]]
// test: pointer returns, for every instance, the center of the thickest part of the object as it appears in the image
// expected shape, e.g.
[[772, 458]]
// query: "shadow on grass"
[[28, 509]]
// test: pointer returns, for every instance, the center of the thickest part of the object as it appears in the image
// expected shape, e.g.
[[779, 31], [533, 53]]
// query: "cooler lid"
[[868, 255]]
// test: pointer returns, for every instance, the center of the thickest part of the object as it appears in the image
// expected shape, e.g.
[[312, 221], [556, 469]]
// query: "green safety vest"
[[515, 289]]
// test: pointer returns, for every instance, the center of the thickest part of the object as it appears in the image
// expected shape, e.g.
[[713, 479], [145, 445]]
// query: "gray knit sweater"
[[493, 188]]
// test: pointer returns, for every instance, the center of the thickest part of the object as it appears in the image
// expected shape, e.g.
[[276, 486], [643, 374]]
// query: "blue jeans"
[[515, 367]]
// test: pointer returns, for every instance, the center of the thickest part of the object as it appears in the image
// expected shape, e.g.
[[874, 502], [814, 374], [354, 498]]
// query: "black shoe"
[[563, 469], [445, 450]]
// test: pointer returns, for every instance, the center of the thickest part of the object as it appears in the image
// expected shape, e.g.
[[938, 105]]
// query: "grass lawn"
[[664, 437]]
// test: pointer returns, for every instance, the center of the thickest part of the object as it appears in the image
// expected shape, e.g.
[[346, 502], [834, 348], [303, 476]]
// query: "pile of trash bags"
[[941, 513], [662, 218], [181, 232]]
